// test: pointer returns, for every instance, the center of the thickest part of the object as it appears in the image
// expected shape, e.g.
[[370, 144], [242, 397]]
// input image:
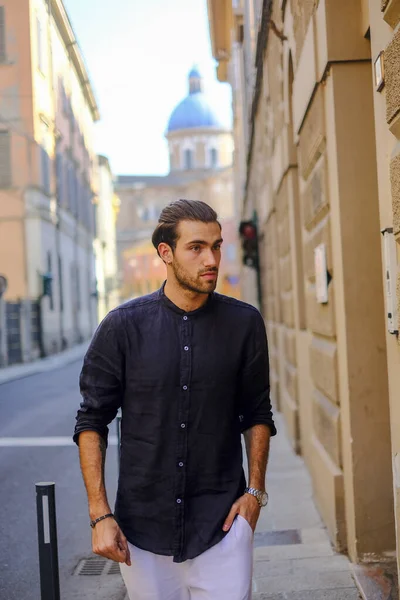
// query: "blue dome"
[[195, 111]]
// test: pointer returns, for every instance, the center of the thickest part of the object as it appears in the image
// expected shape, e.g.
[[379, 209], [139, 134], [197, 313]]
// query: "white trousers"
[[224, 572]]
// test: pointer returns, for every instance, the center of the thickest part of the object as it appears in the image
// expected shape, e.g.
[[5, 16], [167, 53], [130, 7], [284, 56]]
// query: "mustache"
[[212, 270]]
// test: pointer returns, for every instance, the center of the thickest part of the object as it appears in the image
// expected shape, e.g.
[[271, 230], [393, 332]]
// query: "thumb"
[[230, 518]]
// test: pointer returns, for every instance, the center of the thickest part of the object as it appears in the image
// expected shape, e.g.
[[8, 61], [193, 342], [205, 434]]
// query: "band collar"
[[169, 304]]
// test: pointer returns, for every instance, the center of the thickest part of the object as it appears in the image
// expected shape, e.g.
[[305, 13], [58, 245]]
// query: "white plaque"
[[321, 274]]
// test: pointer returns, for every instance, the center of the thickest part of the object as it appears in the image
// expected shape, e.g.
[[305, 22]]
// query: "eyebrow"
[[203, 243]]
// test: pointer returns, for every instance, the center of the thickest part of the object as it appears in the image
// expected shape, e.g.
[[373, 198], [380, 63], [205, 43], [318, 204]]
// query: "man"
[[189, 368]]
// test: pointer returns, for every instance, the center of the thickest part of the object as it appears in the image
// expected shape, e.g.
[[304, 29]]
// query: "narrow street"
[[293, 556], [43, 407]]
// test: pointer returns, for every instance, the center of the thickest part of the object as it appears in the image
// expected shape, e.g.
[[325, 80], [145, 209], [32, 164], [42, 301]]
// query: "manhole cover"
[[96, 566], [277, 538]]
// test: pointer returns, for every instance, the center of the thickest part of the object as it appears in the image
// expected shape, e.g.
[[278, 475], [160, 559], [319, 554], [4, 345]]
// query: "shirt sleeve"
[[255, 403], [101, 380]]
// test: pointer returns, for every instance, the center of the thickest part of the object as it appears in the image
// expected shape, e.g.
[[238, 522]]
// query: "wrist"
[[94, 522], [99, 511], [260, 495]]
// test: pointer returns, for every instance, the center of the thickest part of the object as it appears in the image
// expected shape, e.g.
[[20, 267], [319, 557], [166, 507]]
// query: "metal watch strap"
[[93, 523], [256, 493]]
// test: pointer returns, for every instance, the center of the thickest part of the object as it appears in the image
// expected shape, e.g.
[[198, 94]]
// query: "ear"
[[165, 252]]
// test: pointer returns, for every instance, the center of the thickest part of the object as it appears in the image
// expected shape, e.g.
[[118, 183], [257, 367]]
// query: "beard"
[[198, 285]]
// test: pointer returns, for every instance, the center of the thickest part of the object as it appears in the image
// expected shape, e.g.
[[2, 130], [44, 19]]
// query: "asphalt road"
[[42, 406]]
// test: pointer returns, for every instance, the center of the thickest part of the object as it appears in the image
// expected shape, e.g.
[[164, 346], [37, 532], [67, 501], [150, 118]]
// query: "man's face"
[[197, 256]]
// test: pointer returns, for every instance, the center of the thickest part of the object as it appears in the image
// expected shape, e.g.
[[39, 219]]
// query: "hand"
[[247, 507], [109, 541]]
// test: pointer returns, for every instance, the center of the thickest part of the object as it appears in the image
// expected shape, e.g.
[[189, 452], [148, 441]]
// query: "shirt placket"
[[182, 425]]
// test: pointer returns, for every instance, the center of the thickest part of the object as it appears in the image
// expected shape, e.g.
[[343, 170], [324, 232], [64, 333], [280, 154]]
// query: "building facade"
[[105, 244], [47, 181], [200, 150], [317, 112]]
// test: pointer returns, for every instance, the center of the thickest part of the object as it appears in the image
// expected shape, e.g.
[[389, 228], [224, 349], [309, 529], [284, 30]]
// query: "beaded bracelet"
[[93, 523]]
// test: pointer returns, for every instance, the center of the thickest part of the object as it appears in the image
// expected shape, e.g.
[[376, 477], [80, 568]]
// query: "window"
[[45, 166], [188, 160], [49, 271], [60, 283], [5, 159], [60, 179], [78, 287], [214, 158], [3, 47], [40, 45]]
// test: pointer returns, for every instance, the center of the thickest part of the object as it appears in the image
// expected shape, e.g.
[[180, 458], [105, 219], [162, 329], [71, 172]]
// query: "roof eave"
[[75, 54], [220, 18], [193, 130]]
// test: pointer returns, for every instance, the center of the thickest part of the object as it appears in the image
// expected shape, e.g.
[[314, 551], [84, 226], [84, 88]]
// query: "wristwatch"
[[262, 497]]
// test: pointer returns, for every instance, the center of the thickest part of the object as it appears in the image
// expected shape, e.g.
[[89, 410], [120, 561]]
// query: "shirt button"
[[181, 464], [183, 425], [185, 318], [185, 387], [186, 348], [178, 501]]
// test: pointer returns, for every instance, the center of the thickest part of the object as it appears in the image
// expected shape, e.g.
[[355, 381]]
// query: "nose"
[[210, 259]]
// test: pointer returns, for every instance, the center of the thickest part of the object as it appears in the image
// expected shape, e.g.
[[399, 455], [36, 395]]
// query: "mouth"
[[210, 275]]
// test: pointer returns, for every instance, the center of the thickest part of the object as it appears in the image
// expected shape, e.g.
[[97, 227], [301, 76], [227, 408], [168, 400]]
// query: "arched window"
[[188, 160], [214, 158]]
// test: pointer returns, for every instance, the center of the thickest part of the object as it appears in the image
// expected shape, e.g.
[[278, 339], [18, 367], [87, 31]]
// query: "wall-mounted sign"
[[390, 254], [321, 274], [379, 72]]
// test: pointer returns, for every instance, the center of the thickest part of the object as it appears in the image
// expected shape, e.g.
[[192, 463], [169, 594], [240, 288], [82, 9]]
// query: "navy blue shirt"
[[188, 384]]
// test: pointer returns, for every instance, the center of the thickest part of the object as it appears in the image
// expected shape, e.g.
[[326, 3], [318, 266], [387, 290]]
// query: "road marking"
[[19, 442]]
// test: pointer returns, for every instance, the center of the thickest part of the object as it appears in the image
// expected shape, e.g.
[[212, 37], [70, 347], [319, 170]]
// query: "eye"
[[195, 248], [217, 247]]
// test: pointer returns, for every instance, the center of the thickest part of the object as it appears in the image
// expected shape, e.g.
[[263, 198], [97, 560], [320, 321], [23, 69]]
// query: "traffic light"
[[249, 238], [47, 280]]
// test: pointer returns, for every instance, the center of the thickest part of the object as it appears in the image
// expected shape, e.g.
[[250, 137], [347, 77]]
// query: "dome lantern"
[[195, 81]]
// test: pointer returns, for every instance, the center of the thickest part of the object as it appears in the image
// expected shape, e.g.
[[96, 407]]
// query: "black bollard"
[[47, 538]]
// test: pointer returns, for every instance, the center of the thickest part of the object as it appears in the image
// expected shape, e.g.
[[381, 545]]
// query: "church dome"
[[196, 110]]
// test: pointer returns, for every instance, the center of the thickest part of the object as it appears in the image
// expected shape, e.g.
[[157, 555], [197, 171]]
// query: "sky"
[[138, 54]]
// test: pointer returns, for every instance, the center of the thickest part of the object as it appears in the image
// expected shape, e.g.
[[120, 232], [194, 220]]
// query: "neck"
[[182, 298]]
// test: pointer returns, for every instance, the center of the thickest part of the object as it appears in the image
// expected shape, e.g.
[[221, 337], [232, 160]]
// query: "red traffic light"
[[248, 230]]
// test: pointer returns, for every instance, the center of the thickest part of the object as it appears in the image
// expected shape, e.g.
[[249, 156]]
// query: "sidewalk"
[[293, 558], [55, 361]]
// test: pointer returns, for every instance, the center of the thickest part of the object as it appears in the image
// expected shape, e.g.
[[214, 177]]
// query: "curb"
[[55, 361]]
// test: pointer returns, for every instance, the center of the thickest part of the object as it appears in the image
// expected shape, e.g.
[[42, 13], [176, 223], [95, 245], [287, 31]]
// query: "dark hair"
[[180, 210]]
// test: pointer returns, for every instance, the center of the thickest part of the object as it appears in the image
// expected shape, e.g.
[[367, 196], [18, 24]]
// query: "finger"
[[230, 518], [123, 544], [120, 554], [113, 553]]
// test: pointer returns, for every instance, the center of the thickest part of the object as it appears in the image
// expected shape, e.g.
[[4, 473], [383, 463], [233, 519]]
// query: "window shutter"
[[3, 49], [45, 160], [39, 44], [5, 159], [60, 179]]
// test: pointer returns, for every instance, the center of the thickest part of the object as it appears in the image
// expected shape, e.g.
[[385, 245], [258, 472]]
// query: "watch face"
[[264, 499]]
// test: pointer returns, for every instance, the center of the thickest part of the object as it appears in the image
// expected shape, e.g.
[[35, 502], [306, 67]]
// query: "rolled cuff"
[[249, 423], [102, 431]]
